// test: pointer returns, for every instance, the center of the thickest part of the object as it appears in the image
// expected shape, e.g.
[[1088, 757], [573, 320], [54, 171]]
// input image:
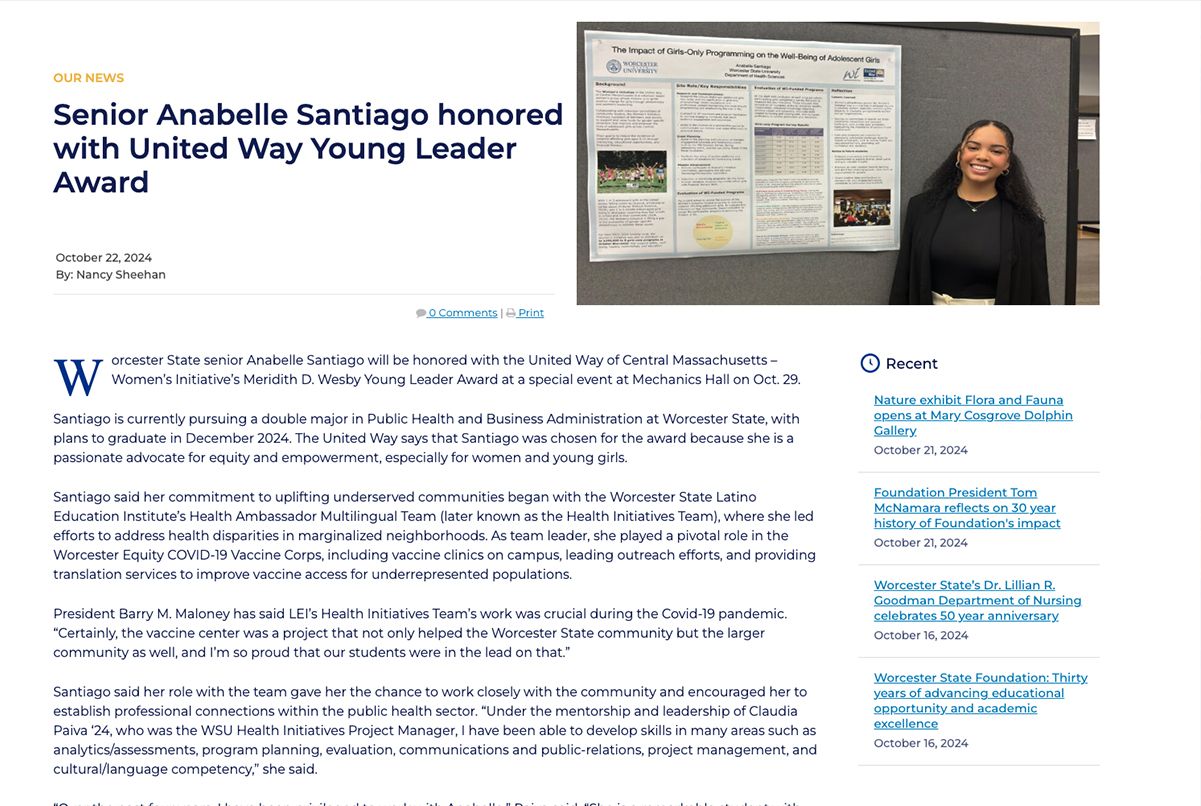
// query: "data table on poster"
[[789, 151]]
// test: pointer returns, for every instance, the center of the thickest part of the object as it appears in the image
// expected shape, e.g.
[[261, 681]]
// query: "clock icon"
[[870, 362]]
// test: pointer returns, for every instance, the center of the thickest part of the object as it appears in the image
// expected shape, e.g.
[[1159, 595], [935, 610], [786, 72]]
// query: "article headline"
[[93, 146]]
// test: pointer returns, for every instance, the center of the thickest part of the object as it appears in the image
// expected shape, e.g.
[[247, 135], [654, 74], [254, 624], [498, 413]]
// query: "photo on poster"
[[863, 208], [631, 172]]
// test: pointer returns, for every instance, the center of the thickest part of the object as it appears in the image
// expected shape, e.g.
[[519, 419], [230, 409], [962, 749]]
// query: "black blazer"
[[1023, 276]]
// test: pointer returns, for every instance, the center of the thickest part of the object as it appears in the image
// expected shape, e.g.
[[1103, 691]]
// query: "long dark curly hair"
[[1014, 186]]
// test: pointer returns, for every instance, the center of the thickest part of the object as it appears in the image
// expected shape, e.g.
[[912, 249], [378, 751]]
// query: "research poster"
[[704, 146], [320, 488]]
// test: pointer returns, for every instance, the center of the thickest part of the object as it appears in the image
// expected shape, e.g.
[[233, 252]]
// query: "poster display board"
[[702, 146]]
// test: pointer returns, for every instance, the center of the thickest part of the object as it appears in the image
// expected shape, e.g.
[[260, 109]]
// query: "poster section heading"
[[703, 146]]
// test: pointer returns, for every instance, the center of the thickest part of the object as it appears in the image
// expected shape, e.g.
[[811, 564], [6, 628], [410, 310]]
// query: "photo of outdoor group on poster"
[[703, 146]]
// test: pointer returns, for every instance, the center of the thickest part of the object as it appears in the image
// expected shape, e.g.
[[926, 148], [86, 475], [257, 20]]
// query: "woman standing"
[[975, 235]]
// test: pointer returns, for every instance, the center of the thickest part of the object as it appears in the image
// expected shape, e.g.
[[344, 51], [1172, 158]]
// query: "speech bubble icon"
[[420, 313]]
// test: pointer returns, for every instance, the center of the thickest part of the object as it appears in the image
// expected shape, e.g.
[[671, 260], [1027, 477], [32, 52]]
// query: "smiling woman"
[[975, 235]]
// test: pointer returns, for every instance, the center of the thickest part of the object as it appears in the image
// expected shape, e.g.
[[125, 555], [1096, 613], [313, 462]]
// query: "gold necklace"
[[977, 205]]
